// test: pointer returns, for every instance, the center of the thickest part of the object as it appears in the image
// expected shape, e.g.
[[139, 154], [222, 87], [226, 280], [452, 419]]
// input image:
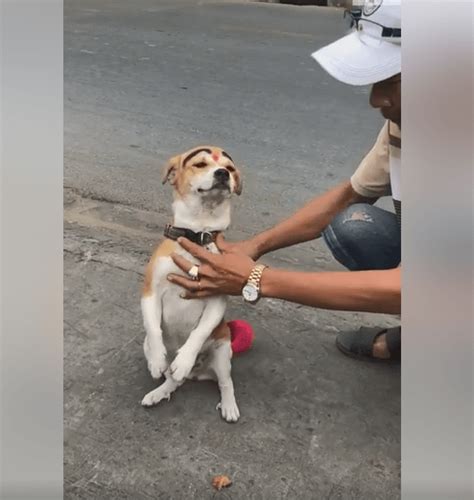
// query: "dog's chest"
[[179, 316]]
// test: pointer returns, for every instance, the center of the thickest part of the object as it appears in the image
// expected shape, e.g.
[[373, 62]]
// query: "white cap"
[[372, 51]]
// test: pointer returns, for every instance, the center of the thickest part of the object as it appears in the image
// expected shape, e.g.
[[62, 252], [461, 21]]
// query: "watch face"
[[250, 293]]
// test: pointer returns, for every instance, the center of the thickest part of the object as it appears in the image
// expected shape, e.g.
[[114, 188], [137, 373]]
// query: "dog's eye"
[[230, 168], [201, 164]]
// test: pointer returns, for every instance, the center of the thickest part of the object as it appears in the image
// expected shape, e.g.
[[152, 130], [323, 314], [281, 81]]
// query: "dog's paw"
[[182, 365], [157, 364], [229, 411], [155, 396]]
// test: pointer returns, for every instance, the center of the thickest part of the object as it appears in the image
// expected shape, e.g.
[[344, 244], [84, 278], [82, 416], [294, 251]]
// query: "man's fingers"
[[192, 289], [184, 264], [220, 242], [195, 250], [181, 262], [197, 295], [188, 284]]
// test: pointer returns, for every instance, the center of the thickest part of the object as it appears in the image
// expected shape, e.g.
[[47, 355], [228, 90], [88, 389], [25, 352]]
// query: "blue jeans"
[[364, 237]]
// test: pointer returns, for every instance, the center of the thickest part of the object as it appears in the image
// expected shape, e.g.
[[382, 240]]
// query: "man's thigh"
[[364, 237]]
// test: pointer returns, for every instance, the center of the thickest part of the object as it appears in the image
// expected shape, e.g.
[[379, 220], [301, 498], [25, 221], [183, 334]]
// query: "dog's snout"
[[222, 174]]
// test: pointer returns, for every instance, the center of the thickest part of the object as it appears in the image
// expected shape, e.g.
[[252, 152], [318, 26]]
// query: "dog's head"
[[206, 172]]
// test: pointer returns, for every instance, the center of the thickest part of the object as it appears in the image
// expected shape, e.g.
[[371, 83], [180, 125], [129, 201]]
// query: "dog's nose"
[[221, 174]]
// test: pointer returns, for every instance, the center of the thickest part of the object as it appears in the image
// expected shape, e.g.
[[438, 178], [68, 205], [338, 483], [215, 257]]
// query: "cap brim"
[[352, 61]]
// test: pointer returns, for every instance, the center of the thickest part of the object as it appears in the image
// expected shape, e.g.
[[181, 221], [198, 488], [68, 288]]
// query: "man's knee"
[[364, 237]]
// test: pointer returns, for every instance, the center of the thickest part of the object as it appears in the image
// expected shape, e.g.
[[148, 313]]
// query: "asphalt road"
[[149, 79], [145, 80]]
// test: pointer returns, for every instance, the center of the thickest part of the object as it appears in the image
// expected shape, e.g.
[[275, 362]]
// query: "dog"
[[192, 331]]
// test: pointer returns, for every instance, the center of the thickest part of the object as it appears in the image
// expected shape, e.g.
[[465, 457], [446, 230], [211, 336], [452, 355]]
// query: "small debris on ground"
[[220, 482]]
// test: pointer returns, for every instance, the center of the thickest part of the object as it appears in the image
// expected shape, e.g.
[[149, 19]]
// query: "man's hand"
[[224, 274], [246, 247]]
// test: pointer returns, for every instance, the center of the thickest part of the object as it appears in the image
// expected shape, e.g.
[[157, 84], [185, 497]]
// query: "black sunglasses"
[[354, 18]]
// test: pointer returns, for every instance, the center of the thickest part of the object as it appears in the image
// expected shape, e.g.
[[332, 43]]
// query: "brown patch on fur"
[[238, 182], [221, 332], [166, 248], [171, 169], [183, 181]]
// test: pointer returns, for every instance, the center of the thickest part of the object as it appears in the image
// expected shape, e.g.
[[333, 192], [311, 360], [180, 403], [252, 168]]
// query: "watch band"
[[256, 275]]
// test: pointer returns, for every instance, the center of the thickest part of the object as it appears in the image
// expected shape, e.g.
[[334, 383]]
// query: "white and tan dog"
[[193, 331]]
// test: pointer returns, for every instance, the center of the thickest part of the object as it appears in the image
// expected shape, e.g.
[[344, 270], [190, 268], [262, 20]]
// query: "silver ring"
[[194, 272]]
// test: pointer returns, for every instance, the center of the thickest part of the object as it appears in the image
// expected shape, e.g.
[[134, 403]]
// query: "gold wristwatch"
[[251, 291]]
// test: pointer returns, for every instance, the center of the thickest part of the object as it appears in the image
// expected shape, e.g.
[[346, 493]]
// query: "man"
[[364, 238]]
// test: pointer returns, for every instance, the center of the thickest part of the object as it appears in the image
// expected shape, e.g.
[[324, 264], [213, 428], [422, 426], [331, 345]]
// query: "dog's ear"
[[238, 182], [171, 169]]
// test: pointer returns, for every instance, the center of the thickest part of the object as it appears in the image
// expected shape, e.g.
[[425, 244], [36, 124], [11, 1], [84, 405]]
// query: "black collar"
[[201, 238]]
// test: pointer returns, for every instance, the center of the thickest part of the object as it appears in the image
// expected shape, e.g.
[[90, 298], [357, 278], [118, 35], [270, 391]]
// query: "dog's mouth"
[[217, 186]]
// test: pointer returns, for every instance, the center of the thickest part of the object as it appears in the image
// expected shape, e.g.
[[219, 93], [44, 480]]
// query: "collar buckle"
[[205, 238]]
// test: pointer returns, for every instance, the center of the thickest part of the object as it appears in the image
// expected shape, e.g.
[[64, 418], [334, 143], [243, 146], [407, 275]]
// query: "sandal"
[[359, 344]]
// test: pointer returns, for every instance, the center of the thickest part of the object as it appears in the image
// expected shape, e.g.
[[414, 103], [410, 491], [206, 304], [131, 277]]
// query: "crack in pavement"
[[99, 261]]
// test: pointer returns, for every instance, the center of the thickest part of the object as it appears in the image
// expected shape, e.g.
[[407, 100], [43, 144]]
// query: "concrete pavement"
[[144, 81]]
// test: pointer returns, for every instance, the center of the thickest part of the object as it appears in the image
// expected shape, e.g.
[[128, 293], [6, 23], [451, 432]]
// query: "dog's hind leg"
[[201, 369], [164, 391], [221, 365]]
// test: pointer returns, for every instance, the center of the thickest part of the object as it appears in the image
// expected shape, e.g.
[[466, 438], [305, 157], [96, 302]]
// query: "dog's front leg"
[[186, 358], [153, 347], [164, 391]]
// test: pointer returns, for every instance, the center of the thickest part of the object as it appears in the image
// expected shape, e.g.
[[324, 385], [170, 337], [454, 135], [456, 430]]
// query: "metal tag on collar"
[[167, 231], [206, 238]]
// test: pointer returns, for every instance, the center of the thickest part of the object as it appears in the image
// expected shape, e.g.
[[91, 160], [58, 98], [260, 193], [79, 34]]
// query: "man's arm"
[[370, 291], [304, 225], [227, 273]]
